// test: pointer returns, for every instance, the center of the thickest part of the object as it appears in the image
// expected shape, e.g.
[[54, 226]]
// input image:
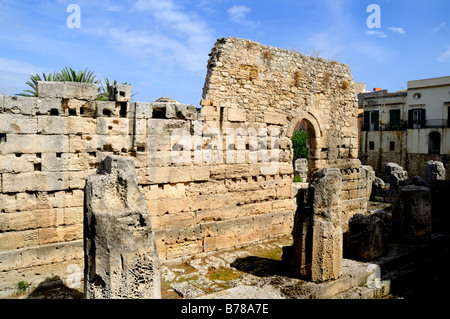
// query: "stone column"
[[434, 171], [367, 237], [317, 250], [301, 168], [411, 214], [121, 259]]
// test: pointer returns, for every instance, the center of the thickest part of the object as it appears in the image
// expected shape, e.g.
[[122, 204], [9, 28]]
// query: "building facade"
[[407, 127]]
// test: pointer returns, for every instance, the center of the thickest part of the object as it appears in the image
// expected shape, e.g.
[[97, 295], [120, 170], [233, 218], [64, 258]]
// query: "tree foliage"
[[299, 144]]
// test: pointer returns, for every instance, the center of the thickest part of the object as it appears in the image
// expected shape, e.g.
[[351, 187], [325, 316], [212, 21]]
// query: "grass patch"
[[23, 287], [223, 274]]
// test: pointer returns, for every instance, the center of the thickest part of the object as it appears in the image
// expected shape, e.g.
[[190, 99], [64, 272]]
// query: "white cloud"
[[379, 34], [168, 38], [397, 30], [238, 14], [325, 45], [15, 66], [445, 56], [115, 8], [439, 27], [14, 74]]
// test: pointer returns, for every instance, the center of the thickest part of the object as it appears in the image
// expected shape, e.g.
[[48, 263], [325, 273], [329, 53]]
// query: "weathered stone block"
[[274, 118], [50, 106], [301, 168], [18, 163], [435, 171], [367, 237], [396, 170], [411, 214], [112, 126], [18, 124], [120, 93], [210, 113], [120, 248], [20, 105], [29, 144], [236, 115], [68, 90], [165, 127], [317, 250], [35, 181], [143, 110], [107, 109]]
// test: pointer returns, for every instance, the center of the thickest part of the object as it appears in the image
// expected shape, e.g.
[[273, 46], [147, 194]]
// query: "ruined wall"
[[51, 143], [213, 178], [249, 84]]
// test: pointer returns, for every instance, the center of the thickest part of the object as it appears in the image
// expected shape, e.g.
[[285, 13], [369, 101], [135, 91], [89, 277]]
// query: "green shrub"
[[23, 286], [299, 140], [297, 179]]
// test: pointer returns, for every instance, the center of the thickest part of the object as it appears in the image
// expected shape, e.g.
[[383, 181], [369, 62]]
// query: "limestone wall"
[[213, 178], [252, 84]]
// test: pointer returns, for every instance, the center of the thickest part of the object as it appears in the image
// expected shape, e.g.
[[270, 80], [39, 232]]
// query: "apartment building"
[[408, 127]]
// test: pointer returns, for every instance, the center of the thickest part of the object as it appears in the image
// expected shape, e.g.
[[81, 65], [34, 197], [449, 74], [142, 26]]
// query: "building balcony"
[[404, 125]]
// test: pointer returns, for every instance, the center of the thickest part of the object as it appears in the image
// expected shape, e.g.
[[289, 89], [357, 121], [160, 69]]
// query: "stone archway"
[[314, 134]]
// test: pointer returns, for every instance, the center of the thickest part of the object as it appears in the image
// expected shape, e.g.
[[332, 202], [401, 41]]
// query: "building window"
[[392, 146], [434, 143], [371, 145], [417, 96], [371, 121], [416, 118], [394, 120]]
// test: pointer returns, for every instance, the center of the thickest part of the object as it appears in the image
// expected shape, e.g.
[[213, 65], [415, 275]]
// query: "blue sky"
[[161, 47]]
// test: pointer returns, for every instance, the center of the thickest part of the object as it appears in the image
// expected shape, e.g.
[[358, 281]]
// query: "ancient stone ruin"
[[317, 250], [115, 187], [121, 260]]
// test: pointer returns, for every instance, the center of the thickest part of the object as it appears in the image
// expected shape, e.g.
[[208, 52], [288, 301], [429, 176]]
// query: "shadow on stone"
[[259, 266], [54, 288]]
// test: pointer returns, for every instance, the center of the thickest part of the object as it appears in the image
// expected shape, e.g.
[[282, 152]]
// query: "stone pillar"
[[121, 259], [411, 214], [317, 250], [301, 168], [367, 237], [435, 171], [396, 177]]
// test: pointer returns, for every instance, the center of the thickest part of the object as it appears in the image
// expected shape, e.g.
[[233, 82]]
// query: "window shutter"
[[376, 120], [422, 118], [410, 118]]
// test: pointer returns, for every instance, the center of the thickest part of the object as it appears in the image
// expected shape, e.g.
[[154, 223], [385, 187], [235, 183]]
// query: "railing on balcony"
[[392, 126], [436, 123], [403, 125]]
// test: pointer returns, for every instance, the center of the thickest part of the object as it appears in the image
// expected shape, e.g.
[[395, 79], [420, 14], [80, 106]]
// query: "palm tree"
[[33, 83], [70, 75]]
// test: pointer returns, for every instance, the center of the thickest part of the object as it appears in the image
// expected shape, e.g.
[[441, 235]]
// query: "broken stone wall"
[[252, 84], [213, 177], [52, 142]]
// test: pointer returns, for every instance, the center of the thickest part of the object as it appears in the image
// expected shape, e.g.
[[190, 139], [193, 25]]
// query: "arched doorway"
[[434, 143], [307, 122]]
